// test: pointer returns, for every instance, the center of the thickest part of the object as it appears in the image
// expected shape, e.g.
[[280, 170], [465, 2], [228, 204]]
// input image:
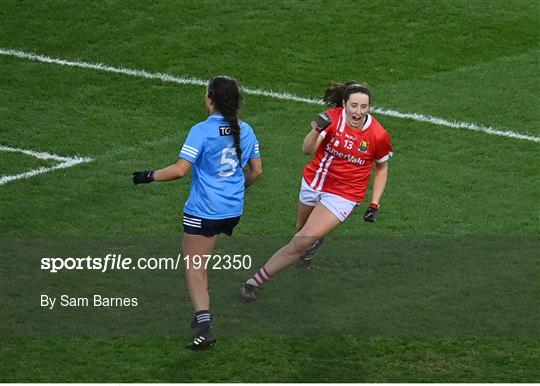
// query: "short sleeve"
[[384, 149], [251, 147], [193, 146], [255, 153]]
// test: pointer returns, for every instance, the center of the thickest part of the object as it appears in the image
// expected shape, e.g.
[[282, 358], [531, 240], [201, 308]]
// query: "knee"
[[301, 242]]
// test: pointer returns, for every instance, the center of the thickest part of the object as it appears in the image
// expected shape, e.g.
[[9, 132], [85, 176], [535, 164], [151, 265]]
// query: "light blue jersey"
[[217, 185]]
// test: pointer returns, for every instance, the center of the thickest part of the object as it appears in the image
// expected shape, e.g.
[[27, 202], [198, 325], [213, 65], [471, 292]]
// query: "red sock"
[[259, 278]]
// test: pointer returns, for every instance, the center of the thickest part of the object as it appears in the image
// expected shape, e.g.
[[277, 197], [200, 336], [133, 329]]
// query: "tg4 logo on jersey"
[[225, 130]]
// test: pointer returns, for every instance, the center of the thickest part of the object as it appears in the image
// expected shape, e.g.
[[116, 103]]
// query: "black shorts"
[[195, 225]]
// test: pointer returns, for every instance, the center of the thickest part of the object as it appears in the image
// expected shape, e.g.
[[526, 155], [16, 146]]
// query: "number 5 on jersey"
[[228, 157]]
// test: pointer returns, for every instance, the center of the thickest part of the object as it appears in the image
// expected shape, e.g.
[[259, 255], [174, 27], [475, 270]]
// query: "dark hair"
[[225, 94], [337, 93]]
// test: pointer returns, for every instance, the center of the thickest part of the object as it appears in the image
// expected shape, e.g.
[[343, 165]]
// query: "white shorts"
[[339, 206]]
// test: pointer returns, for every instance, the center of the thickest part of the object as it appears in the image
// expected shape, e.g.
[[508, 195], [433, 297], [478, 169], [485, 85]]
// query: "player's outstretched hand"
[[371, 213], [144, 177], [322, 121]]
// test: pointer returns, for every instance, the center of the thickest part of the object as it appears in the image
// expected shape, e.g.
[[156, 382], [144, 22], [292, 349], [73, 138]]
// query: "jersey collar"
[[368, 122], [218, 116], [343, 120]]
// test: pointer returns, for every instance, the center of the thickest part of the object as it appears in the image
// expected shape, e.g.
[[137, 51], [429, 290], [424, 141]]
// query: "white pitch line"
[[65, 162], [456, 124], [268, 93], [34, 154]]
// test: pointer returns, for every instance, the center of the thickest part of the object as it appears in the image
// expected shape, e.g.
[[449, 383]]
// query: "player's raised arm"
[[311, 142], [335, 181], [313, 139]]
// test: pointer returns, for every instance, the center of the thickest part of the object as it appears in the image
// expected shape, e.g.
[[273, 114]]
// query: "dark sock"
[[204, 319]]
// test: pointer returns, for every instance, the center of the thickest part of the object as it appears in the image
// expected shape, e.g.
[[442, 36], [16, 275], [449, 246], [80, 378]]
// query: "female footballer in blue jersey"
[[216, 151]]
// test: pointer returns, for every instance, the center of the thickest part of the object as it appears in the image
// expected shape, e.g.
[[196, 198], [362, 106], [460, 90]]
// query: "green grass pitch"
[[443, 288]]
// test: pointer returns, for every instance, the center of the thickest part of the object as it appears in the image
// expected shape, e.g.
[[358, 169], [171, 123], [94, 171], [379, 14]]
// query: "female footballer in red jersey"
[[347, 141]]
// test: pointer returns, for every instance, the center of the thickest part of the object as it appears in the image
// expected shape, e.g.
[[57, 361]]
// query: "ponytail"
[[235, 130], [225, 94], [337, 93]]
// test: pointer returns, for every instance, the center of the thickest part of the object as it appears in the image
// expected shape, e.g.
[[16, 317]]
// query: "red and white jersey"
[[343, 160]]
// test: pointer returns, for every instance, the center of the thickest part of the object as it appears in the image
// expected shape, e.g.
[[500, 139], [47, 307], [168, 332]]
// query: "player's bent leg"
[[307, 256], [281, 259], [320, 222], [303, 214], [308, 198], [341, 208]]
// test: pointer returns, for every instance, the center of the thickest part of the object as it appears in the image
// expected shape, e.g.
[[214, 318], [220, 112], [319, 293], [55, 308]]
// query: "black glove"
[[322, 121], [144, 177], [371, 213]]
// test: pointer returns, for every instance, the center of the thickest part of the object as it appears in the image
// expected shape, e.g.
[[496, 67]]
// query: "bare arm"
[[253, 171], [311, 141], [379, 181], [174, 171]]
